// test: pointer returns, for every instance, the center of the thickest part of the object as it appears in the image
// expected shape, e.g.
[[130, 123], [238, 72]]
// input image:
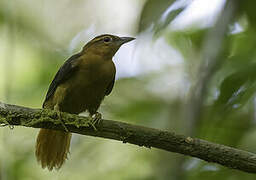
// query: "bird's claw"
[[95, 119], [62, 123]]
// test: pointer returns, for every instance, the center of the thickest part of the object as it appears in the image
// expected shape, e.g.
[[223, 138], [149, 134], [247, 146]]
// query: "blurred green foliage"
[[35, 40]]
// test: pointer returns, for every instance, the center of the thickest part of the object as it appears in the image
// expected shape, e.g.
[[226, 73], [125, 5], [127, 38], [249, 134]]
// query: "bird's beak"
[[125, 40]]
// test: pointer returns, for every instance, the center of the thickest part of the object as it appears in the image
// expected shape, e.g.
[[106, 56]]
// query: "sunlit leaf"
[[152, 13], [187, 42], [248, 7], [237, 88]]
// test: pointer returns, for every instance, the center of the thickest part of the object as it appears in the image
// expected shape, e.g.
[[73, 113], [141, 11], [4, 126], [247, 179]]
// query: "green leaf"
[[248, 7], [153, 14], [236, 89], [187, 42]]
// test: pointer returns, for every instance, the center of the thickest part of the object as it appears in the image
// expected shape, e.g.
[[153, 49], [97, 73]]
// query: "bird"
[[80, 85]]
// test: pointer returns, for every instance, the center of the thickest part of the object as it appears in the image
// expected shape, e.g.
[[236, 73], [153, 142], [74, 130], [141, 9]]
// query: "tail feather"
[[52, 148]]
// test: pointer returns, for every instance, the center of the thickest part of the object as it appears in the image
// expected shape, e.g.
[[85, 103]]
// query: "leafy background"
[[158, 76]]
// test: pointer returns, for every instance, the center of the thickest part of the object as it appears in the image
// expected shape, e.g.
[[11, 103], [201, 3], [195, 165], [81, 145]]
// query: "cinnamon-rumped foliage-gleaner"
[[80, 85]]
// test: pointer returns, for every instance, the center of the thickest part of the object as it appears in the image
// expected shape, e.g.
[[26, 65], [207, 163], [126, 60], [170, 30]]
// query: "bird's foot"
[[95, 119], [62, 122]]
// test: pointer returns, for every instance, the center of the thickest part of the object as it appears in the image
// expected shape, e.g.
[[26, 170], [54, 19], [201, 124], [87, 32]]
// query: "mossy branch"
[[128, 133]]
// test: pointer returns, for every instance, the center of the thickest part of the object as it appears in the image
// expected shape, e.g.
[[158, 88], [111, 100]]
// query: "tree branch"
[[138, 135]]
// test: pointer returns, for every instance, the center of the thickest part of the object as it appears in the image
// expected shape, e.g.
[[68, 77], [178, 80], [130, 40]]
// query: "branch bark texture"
[[128, 133]]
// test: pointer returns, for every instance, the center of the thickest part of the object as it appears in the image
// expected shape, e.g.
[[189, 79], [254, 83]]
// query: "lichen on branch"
[[143, 136]]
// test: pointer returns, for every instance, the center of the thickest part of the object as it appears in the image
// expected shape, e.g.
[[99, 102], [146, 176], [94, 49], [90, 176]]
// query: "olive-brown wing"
[[64, 73]]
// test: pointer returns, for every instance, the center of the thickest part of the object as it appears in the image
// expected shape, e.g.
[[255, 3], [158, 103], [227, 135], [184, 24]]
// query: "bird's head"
[[106, 45]]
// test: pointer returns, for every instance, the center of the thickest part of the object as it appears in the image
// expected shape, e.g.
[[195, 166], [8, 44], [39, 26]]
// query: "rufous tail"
[[52, 148]]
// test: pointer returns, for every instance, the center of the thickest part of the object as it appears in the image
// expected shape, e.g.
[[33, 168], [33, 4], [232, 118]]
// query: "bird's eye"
[[107, 39]]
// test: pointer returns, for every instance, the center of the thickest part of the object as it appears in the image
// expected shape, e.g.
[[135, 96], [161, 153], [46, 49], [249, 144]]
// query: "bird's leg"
[[56, 108], [95, 119]]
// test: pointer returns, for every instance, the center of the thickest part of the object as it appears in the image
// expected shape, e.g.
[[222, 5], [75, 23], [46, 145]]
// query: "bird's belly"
[[84, 94]]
